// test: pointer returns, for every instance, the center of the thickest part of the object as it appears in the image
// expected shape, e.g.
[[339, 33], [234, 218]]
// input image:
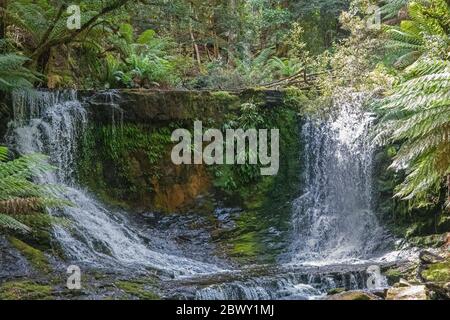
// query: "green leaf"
[[126, 31], [146, 37]]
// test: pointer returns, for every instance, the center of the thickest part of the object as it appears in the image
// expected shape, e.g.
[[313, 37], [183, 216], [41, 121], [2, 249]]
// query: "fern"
[[417, 114], [416, 37], [19, 195], [391, 8], [12, 73]]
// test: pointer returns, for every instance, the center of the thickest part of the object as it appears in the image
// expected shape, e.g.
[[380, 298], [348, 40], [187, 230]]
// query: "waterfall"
[[333, 219], [336, 233], [51, 123]]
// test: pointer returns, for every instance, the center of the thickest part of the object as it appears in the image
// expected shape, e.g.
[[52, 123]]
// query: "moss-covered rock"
[[335, 291], [139, 289], [418, 224], [353, 295], [25, 290], [437, 272], [393, 276], [36, 257], [431, 241]]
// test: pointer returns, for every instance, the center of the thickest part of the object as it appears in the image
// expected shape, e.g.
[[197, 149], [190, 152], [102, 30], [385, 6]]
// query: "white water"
[[51, 123], [283, 286], [334, 221]]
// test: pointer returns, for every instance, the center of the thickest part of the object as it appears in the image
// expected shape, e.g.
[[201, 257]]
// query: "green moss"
[[393, 275], [139, 289], [119, 163], [438, 272], [247, 245], [435, 241], [296, 99], [224, 97], [25, 290], [335, 291], [36, 257], [265, 200]]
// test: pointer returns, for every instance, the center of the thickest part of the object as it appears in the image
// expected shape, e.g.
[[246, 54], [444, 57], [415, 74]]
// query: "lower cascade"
[[334, 224], [51, 123]]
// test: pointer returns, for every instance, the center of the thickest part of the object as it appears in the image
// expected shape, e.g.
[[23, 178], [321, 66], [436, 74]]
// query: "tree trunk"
[[448, 189], [196, 50], [3, 25], [191, 33]]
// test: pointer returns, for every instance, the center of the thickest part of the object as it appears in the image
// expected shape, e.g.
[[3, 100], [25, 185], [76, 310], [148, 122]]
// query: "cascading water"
[[50, 123], [334, 225], [333, 220]]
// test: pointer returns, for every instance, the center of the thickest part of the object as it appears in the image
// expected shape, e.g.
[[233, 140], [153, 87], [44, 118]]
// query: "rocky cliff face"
[[125, 153]]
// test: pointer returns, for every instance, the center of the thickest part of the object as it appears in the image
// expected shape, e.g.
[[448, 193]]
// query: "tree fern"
[[13, 74], [417, 113], [390, 8], [19, 195], [415, 37]]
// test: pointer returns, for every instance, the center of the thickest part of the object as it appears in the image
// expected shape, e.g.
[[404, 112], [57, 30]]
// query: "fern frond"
[[19, 195], [11, 223]]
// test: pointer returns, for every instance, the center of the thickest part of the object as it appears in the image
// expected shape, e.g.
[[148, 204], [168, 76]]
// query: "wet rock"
[[402, 284], [405, 271], [412, 292], [381, 293], [427, 257], [335, 291], [12, 263], [436, 277], [354, 295]]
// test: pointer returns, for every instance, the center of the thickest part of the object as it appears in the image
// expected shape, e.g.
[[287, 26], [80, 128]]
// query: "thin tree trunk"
[[194, 44], [448, 189], [3, 25], [191, 33]]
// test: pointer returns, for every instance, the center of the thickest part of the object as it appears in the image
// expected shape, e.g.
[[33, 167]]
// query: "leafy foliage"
[[390, 8], [145, 61], [424, 33], [13, 74], [416, 112], [19, 195]]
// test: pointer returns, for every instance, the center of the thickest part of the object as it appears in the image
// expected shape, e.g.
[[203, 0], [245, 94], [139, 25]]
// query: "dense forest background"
[[312, 48], [192, 44]]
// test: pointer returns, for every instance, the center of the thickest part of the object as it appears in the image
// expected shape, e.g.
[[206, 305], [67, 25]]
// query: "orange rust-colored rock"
[[172, 197]]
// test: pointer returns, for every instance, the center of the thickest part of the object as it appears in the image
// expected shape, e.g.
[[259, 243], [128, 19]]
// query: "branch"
[[52, 25], [71, 36]]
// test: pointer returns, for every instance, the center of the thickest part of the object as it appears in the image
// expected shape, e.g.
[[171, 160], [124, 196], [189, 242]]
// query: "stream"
[[335, 234]]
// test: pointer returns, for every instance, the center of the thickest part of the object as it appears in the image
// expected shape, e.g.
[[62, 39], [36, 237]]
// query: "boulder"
[[427, 257], [12, 263], [417, 292], [353, 295], [436, 277], [335, 291]]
